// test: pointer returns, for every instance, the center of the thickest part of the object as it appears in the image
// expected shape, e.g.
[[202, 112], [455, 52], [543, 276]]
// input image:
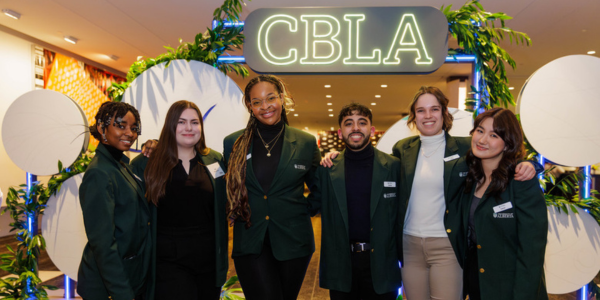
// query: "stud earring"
[[104, 137]]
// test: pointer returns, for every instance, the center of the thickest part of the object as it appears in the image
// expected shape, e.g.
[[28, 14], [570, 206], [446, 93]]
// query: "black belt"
[[360, 247]]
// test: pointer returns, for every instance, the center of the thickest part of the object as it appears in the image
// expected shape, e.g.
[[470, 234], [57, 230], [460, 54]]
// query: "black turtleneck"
[[265, 166], [114, 152], [358, 166]]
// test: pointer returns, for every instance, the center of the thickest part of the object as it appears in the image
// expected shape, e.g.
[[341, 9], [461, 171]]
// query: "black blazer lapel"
[[451, 149], [338, 181], [380, 171], [287, 152], [411, 154], [250, 171]]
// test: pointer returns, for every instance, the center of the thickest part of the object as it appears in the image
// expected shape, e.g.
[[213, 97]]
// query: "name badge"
[[502, 207], [215, 170], [451, 157], [463, 174], [389, 195], [389, 184], [300, 167], [248, 156]]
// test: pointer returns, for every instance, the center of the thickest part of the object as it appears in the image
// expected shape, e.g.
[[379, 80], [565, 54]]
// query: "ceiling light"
[[384, 85], [295, 115], [329, 103], [327, 86], [511, 88], [71, 39], [292, 109], [377, 96], [113, 57], [373, 103], [591, 52], [332, 129], [331, 109], [327, 96], [331, 115], [305, 128], [11, 13]]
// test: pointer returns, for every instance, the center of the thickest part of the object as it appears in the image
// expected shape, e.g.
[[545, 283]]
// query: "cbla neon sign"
[[346, 40]]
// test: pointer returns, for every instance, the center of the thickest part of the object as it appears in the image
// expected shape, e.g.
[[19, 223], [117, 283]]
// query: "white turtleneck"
[[426, 206]]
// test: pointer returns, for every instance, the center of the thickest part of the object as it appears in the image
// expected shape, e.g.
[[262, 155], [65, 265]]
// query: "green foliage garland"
[[206, 48], [477, 34], [22, 261]]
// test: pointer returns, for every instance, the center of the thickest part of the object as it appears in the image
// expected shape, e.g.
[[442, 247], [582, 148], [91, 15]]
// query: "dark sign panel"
[[346, 40]]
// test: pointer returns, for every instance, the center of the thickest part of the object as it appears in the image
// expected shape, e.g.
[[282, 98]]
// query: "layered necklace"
[[269, 145]]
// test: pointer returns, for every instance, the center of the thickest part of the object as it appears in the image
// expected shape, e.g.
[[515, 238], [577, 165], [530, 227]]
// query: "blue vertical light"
[[29, 180], [584, 292], [587, 181], [67, 287], [475, 74], [542, 162]]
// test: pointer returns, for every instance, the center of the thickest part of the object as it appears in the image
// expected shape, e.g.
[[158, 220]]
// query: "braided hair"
[[238, 207], [105, 115]]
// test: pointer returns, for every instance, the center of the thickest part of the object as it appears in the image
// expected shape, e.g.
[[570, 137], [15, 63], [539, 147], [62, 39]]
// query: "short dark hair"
[[349, 110]]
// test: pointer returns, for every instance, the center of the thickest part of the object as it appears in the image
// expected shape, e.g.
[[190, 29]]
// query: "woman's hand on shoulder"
[[148, 147], [524, 171], [327, 160]]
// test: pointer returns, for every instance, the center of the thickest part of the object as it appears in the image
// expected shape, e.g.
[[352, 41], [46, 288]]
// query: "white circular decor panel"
[[63, 229], [559, 108], [218, 97], [573, 250], [462, 125], [42, 127]]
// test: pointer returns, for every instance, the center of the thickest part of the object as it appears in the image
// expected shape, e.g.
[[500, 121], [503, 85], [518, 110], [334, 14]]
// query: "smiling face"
[[487, 144], [265, 102], [356, 131], [122, 132], [428, 115], [188, 130]]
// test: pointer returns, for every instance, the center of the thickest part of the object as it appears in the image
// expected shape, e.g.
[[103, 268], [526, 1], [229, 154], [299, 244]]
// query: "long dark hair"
[[442, 100], [164, 158], [507, 127], [237, 194]]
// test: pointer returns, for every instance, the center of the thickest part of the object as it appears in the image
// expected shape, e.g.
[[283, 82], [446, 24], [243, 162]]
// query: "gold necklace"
[[274, 140]]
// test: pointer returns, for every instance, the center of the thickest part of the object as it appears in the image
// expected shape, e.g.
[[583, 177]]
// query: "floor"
[[310, 289]]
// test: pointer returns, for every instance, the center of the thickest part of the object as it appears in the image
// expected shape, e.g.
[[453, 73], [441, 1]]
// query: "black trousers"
[[472, 274], [185, 266], [263, 277], [362, 281]]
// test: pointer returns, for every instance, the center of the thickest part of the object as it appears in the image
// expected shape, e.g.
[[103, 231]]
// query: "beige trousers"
[[430, 270]]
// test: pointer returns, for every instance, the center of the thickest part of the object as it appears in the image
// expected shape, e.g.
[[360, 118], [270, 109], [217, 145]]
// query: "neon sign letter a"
[[408, 38]]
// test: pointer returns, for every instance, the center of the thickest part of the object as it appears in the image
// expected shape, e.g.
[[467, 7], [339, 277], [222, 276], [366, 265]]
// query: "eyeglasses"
[[256, 103]]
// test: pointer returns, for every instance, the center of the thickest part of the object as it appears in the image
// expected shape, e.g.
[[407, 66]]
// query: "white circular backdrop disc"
[[573, 250], [559, 107], [63, 229], [42, 127], [461, 126], [218, 97]]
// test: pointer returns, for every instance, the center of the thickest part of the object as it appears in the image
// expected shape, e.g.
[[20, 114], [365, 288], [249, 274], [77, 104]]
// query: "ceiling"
[[129, 29]]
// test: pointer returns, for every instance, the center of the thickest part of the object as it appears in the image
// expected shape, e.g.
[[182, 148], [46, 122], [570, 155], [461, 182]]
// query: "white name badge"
[[451, 157], [502, 207], [389, 184], [248, 156], [215, 170]]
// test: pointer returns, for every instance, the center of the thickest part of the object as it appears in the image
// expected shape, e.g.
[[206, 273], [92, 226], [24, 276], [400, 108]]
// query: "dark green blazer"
[[284, 209], [386, 218], [220, 202], [512, 242], [117, 258], [455, 173]]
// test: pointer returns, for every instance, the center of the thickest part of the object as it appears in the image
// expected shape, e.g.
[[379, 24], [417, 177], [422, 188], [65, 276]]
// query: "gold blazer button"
[[448, 230], [481, 270], [267, 217]]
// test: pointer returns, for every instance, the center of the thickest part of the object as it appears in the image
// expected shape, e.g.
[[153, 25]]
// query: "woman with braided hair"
[[268, 164], [116, 260]]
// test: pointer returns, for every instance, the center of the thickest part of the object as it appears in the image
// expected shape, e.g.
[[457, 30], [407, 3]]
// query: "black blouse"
[[188, 200]]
